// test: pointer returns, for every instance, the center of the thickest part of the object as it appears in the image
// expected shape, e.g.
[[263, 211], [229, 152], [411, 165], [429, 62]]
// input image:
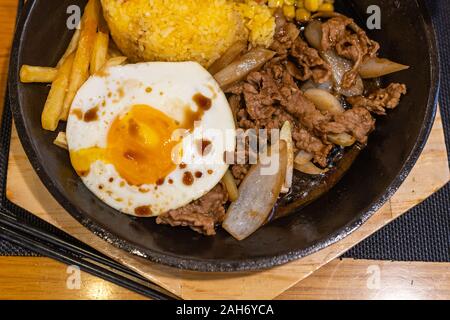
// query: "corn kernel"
[[312, 5], [302, 14], [326, 7], [289, 12], [300, 3], [289, 2], [275, 3]]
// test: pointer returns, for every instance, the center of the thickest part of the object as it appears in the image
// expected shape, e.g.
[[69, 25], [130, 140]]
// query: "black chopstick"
[[147, 289]]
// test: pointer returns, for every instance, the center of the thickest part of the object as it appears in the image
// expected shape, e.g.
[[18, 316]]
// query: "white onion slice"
[[303, 157], [228, 57], [342, 139], [258, 194], [230, 185], [310, 168], [324, 101], [313, 34], [378, 67], [286, 135], [310, 84], [241, 67], [339, 67]]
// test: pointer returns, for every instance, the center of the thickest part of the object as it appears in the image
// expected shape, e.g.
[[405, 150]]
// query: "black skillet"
[[406, 36]]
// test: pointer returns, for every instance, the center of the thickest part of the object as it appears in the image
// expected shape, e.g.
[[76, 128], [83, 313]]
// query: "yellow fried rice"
[[186, 30]]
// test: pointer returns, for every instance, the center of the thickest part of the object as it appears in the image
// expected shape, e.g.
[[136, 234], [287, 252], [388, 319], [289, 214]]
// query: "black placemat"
[[422, 234]]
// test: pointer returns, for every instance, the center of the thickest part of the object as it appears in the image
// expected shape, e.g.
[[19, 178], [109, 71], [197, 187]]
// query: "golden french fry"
[[54, 104], [73, 45], [61, 141], [80, 69], [100, 52], [29, 74]]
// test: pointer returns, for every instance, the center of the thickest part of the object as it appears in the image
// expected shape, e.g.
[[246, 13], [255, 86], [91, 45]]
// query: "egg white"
[[173, 86]]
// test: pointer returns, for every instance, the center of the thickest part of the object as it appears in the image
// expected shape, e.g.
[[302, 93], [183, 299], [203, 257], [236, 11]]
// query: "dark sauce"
[[198, 174], [307, 188], [78, 113], [143, 211], [191, 117], [188, 178], [91, 115], [202, 102]]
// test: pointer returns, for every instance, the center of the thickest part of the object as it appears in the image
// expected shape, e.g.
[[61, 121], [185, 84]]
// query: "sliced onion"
[[342, 139], [228, 57], [230, 185], [313, 34], [310, 84], [303, 157], [378, 67], [324, 101], [240, 68], [258, 194], [309, 168], [286, 135], [61, 141], [339, 67], [116, 61]]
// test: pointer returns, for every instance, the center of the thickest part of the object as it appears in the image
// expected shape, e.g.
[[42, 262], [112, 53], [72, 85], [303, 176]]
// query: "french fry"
[[54, 104], [73, 45], [100, 52], [29, 74], [61, 141], [80, 69]]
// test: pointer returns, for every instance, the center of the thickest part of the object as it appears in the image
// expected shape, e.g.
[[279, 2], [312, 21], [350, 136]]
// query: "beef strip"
[[349, 41], [313, 66], [268, 98], [285, 35], [239, 172], [201, 215], [380, 100], [356, 121], [333, 31], [272, 97]]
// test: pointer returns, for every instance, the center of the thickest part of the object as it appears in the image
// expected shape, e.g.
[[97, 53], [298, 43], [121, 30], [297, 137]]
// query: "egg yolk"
[[139, 146]]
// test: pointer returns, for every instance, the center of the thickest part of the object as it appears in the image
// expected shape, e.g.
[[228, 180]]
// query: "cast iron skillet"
[[406, 36]]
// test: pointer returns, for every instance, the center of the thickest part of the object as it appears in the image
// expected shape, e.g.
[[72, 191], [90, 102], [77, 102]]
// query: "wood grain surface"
[[23, 277], [42, 278]]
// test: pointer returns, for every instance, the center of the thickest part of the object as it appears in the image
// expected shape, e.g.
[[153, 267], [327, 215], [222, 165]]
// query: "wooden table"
[[43, 278]]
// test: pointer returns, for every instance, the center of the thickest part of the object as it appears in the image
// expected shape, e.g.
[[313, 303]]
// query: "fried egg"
[[150, 137]]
